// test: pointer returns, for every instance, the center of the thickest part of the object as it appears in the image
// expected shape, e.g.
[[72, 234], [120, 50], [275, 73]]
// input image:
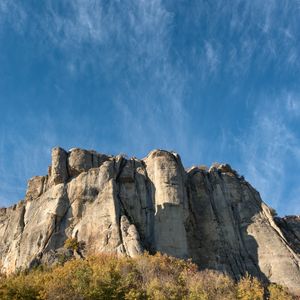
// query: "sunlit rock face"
[[126, 206]]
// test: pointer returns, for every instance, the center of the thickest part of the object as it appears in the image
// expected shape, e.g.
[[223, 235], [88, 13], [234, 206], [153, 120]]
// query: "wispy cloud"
[[156, 115], [14, 14], [270, 148], [154, 56], [211, 56], [23, 156], [293, 103]]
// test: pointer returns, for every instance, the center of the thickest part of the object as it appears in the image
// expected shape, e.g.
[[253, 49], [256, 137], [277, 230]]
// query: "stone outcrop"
[[126, 206], [290, 227]]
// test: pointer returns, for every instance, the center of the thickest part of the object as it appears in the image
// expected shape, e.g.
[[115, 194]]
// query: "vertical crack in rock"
[[221, 232], [128, 233], [21, 224], [124, 211], [56, 238]]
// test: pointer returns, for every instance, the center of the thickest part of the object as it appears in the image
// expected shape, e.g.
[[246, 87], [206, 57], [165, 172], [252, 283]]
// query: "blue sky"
[[211, 80]]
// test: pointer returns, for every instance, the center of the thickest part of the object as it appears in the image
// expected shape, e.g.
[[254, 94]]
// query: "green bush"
[[72, 244]]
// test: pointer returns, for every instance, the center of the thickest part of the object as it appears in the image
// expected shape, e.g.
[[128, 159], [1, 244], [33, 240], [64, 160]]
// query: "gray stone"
[[126, 206], [58, 171]]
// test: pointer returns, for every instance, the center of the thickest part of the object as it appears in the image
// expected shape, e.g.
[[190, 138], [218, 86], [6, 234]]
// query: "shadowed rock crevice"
[[126, 206], [290, 228]]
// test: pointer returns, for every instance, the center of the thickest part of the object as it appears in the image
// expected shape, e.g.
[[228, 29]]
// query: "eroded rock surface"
[[127, 206], [290, 227]]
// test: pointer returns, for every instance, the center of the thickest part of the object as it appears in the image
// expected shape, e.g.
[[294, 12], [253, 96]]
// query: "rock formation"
[[126, 206]]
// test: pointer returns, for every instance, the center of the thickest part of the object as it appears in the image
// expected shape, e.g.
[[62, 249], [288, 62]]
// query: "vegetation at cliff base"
[[155, 277]]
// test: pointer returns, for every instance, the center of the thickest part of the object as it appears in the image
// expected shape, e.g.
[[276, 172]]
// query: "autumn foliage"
[[155, 277]]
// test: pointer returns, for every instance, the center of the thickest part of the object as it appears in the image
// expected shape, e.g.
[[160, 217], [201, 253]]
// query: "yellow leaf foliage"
[[157, 277]]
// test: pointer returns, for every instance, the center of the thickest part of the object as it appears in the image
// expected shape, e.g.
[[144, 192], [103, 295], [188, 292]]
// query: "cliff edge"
[[126, 206]]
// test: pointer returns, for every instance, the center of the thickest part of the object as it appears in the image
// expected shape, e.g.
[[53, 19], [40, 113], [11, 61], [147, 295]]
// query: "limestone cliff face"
[[126, 206]]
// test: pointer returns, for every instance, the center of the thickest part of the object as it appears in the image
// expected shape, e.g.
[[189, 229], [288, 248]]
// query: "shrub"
[[21, 286], [249, 288], [72, 244], [210, 285], [145, 277], [278, 292]]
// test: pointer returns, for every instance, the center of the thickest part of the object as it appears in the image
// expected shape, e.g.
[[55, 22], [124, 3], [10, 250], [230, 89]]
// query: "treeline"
[[146, 277]]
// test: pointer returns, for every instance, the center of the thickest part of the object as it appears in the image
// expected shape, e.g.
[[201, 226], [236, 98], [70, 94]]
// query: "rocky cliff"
[[126, 206]]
